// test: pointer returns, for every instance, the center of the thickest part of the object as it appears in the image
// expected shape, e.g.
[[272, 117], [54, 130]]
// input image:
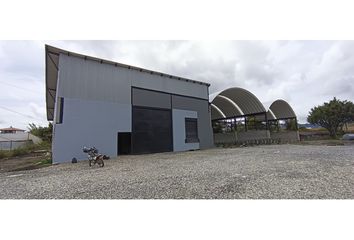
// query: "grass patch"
[[4, 154], [45, 161], [25, 150]]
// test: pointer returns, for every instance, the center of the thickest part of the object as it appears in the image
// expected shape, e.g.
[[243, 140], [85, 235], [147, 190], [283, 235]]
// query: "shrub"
[[20, 151], [4, 154]]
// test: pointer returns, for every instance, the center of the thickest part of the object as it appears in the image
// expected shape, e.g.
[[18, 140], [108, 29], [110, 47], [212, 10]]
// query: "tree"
[[332, 115], [45, 133], [291, 125]]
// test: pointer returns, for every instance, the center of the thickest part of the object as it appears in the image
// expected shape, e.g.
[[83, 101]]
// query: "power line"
[[25, 115], [22, 88]]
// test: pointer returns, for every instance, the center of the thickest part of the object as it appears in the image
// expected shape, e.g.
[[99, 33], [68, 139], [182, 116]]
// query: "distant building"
[[11, 130]]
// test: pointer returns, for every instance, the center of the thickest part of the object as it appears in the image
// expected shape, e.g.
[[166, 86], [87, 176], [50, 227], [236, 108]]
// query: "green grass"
[[45, 161], [4, 154], [24, 150]]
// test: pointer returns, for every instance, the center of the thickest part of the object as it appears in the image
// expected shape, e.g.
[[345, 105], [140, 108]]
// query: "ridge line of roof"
[[56, 50]]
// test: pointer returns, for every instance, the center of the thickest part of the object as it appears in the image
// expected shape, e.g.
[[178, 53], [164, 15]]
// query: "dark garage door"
[[152, 130]]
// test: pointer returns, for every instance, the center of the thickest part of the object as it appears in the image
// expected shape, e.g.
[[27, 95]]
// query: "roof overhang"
[[51, 76]]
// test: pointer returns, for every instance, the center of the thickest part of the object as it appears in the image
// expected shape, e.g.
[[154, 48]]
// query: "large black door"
[[152, 130]]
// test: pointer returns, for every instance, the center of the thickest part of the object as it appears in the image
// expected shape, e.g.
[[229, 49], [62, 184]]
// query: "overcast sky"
[[304, 73]]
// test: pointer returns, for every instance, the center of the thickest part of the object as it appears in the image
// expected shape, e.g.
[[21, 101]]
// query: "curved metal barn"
[[280, 109], [235, 102], [238, 115]]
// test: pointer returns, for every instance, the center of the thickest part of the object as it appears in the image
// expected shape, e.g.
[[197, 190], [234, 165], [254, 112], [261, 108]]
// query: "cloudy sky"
[[304, 73]]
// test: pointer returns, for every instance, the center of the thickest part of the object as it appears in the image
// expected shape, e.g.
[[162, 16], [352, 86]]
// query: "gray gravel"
[[262, 172]]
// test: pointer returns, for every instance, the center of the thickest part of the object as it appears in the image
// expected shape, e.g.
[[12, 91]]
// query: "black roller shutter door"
[[152, 130]]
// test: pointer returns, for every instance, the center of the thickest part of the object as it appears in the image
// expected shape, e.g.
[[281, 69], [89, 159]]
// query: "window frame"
[[188, 138], [60, 111]]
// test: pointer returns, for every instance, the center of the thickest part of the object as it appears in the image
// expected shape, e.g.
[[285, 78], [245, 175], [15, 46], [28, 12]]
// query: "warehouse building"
[[121, 109]]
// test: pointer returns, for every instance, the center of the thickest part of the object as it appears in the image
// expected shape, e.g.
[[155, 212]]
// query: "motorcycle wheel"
[[100, 163]]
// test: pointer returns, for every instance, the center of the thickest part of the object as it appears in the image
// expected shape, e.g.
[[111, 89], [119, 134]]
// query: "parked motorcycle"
[[94, 157]]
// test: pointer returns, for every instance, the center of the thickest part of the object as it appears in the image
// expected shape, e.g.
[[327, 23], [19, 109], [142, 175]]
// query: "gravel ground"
[[262, 172]]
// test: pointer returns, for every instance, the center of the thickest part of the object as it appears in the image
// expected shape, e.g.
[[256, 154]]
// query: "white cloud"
[[305, 73]]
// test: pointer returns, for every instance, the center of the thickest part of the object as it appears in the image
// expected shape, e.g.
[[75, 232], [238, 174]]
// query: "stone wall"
[[286, 136], [240, 137], [256, 137]]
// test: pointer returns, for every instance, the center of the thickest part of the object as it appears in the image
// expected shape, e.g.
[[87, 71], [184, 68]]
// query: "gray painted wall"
[[85, 79], [89, 123], [97, 105], [179, 130], [146, 98], [204, 123], [233, 137], [10, 145]]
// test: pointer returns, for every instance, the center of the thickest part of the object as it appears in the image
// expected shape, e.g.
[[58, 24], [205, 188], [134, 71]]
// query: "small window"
[[60, 111], [191, 130]]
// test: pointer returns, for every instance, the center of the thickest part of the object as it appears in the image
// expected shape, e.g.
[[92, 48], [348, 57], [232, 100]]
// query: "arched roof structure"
[[281, 110], [235, 102]]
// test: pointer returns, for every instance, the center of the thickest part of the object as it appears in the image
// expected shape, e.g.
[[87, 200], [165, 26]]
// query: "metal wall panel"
[[204, 122], [89, 123], [91, 80], [86, 79], [166, 84], [142, 97]]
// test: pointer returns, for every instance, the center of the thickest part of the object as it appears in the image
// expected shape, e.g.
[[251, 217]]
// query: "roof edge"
[[55, 50]]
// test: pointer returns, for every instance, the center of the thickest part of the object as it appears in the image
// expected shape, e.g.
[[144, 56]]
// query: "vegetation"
[[291, 125], [254, 123], [45, 133], [333, 115], [25, 150]]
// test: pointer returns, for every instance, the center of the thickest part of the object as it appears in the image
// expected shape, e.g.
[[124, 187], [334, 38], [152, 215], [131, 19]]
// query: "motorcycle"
[[94, 157]]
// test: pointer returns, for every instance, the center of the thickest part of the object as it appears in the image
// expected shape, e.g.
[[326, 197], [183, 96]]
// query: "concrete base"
[[256, 137], [286, 136]]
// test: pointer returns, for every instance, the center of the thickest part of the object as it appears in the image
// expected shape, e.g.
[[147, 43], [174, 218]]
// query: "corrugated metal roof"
[[281, 109], [234, 102]]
